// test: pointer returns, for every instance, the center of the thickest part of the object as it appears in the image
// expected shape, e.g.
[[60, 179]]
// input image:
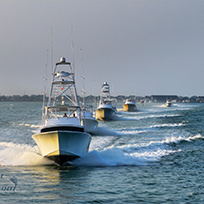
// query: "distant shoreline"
[[120, 98]]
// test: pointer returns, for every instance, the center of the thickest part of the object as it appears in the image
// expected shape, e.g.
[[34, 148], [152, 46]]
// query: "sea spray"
[[21, 155], [109, 157]]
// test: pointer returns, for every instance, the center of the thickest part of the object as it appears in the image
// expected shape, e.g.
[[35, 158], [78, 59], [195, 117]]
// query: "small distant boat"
[[62, 137], [168, 103], [88, 120], [106, 109], [129, 105]]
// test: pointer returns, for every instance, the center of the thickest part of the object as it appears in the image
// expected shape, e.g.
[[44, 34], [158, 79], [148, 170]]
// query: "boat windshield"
[[62, 111]]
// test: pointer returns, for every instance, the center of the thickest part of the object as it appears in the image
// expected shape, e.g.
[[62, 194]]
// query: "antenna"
[[73, 56], [72, 45], [52, 68], [45, 85], [83, 75]]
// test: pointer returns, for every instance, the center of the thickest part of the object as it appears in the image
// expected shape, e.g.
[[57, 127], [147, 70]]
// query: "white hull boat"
[[105, 112], [129, 105], [62, 146], [62, 137], [106, 109]]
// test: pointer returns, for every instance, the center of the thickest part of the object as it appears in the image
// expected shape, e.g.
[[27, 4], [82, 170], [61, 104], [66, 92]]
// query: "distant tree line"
[[22, 98], [119, 98]]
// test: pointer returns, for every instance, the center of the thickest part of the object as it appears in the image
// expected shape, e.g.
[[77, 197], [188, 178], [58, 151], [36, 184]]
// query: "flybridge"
[[58, 63], [63, 85], [105, 87]]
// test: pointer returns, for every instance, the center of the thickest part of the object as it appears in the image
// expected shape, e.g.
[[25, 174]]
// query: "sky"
[[140, 47]]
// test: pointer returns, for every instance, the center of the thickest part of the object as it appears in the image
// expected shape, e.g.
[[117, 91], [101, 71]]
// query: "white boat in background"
[[106, 109], [168, 103], [88, 120], [129, 105], [62, 137]]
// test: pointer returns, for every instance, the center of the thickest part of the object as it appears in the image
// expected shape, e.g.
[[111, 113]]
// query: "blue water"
[[154, 155]]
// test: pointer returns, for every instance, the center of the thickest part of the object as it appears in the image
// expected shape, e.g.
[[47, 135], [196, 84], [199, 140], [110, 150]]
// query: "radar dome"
[[62, 59]]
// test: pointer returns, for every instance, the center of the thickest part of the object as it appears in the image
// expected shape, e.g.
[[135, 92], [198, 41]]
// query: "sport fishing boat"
[[129, 105], [62, 137], [106, 109], [88, 120], [168, 103]]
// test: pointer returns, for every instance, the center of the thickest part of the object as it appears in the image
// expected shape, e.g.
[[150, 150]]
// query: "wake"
[[103, 152], [132, 154]]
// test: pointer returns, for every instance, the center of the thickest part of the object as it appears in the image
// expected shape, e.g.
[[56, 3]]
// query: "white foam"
[[143, 117], [130, 154], [109, 157], [99, 143], [25, 147], [30, 125], [21, 155], [150, 156], [167, 125], [174, 139], [198, 136], [133, 130]]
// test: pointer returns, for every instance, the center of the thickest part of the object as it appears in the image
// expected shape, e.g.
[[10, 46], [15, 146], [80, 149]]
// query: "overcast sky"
[[140, 47]]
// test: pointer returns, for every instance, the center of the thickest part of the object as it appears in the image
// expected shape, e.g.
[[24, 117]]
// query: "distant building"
[[200, 99], [163, 98]]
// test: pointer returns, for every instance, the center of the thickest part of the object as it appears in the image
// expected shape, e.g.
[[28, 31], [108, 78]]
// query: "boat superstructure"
[[129, 105], [106, 109], [62, 137]]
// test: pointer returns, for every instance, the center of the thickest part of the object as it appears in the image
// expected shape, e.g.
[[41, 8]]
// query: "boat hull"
[[168, 104], [130, 107], [105, 114], [62, 146], [90, 124]]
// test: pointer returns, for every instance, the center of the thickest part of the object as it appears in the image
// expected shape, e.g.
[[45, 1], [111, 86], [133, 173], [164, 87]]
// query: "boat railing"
[[61, 63], [62, 82]]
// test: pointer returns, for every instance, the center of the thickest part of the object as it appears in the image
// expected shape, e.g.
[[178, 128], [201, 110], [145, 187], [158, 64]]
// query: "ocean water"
[[154, 155]]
